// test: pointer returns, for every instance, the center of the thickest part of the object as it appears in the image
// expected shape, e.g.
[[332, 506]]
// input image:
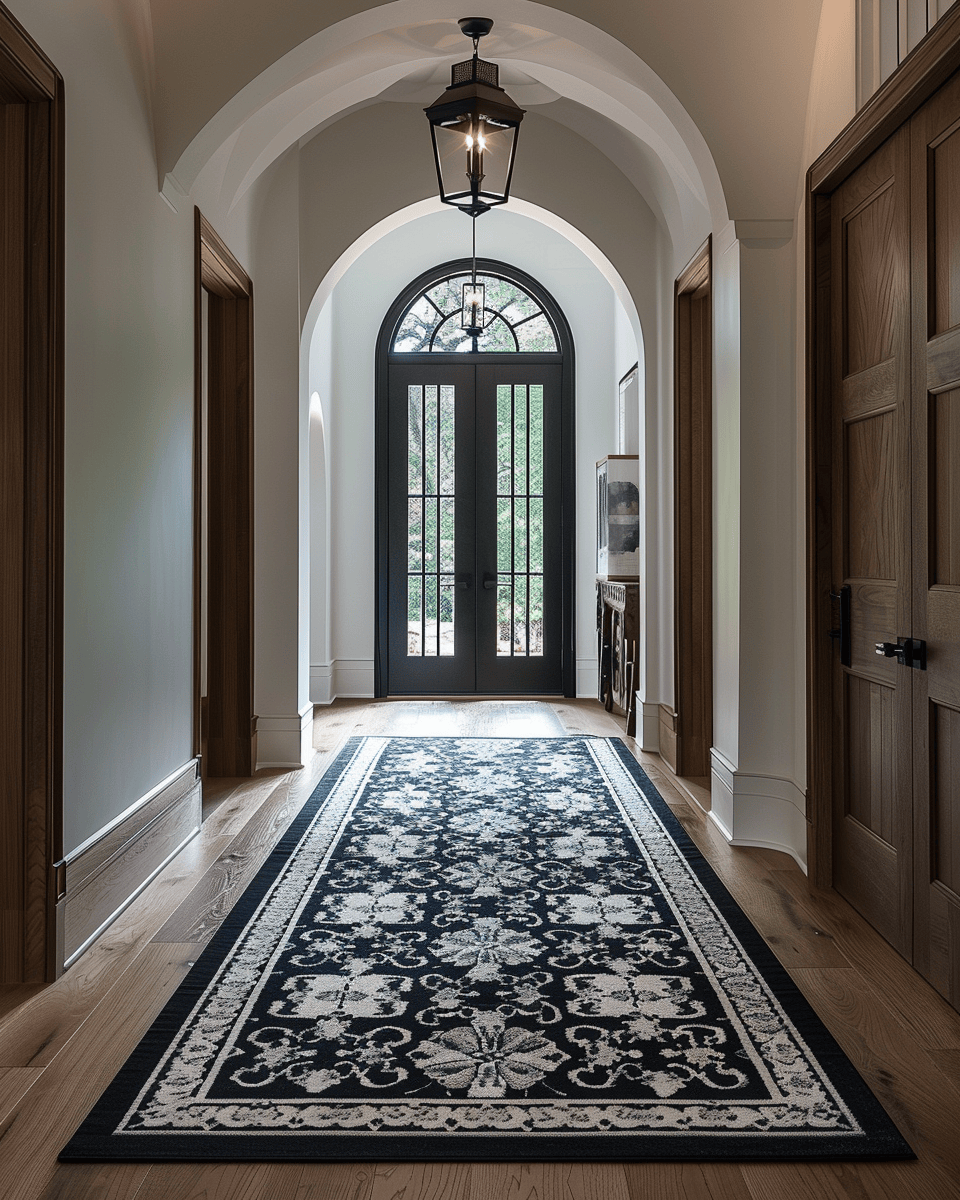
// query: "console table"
[[618, 633]]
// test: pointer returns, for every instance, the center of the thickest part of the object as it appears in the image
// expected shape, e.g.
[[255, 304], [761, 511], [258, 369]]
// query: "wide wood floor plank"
[[199, 917], [221, 1181], [47, 1116], [15, 1082], [96, 1181], [547, 1181], [931, 1020], [336, 1181], [421, 1181], [888, 1056], [845, 1181], [686, 1181]]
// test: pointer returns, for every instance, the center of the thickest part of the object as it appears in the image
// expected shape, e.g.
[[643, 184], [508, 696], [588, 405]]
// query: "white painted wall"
[[343, 359], [128, 426], [281, 456]]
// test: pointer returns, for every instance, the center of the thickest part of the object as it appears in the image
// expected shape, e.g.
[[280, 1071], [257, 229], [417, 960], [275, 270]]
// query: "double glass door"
[[475, 588]]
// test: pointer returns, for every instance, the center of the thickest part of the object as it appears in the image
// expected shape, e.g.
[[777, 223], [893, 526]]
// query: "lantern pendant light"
[[474, 127]]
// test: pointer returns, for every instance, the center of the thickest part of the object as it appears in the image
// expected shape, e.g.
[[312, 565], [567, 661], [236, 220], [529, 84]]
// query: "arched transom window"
[[514, 321]]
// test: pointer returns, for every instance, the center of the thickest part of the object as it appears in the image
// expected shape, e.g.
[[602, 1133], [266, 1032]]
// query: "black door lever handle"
[[464, 583], [909, 652], [489, 581]]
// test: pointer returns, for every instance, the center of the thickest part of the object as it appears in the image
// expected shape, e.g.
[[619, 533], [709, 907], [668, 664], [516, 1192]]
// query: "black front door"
[[475, 538]]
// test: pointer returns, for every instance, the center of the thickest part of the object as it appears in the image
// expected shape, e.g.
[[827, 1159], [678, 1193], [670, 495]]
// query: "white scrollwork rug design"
[[486, 948]]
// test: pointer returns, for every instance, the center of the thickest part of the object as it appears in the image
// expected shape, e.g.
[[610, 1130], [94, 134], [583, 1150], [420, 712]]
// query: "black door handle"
[[909, 652], [489, 581], [464, 583], [842, 634]]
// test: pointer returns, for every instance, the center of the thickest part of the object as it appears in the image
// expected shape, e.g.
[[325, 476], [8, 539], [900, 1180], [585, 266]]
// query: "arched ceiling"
[[715, 89]]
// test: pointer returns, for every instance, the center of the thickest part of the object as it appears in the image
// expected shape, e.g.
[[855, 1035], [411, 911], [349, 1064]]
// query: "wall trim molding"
[[110, 869], [649, 726], [758, 810], [286, 740], [587, 677], [354, 678], [321, 683]]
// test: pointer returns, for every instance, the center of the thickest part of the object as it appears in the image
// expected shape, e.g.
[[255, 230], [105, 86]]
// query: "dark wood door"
[[936, 537], [475, 555], [873, 701]]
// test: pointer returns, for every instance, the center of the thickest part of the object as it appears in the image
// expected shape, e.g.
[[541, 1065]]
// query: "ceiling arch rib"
[[352, 66]]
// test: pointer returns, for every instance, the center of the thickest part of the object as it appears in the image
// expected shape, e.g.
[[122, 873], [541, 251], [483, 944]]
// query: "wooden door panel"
[[943, 157], [945, 757], [942, 628], [870, 798], [875, 605], [935, 460], [873, 525], [871, 374], [938, 937], [874, 281], [944, 488]]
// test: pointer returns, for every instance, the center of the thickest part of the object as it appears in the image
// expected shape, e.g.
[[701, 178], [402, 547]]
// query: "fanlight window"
[[514, 322]]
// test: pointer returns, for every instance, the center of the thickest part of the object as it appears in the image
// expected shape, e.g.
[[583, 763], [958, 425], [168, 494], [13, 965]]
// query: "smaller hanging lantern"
[[474, 127], [472, 314]]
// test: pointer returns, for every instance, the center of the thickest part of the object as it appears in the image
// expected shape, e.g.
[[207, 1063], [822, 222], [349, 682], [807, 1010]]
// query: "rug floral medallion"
[[486, 948]]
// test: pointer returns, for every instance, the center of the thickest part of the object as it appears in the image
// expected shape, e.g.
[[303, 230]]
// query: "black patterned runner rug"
[[486, 948]]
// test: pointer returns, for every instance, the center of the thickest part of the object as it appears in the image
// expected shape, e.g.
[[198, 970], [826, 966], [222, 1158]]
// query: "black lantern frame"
[[474, 127]]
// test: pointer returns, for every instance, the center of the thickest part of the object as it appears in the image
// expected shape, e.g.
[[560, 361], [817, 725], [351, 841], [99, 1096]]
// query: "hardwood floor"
[[61, 1045]]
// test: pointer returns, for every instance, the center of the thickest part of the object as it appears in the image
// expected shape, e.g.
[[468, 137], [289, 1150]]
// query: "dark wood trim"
[[107, 873], [566, 358], [32, 386], [27, 76], [819, 502], [693, 512], [929, 65], [231, 741]]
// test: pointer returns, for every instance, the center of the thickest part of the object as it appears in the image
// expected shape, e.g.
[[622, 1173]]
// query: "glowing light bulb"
[[469, 141], [482, 142]]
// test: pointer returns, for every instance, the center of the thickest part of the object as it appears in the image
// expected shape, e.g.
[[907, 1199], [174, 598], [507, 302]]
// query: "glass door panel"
[[432, 601], [519, 534]]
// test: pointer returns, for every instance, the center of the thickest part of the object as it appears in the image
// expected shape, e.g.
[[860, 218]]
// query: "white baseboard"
[[285, 741], [321, 683], [353, 678], [650, 727], [102, 876], [758, 810], [587, 679]]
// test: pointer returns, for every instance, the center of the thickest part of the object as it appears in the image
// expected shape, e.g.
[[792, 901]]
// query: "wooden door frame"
[[693, 516], [31, 848], [230, 503], [925, 69], [567, 452]]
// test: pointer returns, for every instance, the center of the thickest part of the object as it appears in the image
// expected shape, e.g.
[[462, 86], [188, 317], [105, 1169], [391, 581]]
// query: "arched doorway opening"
[[475, 490]]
